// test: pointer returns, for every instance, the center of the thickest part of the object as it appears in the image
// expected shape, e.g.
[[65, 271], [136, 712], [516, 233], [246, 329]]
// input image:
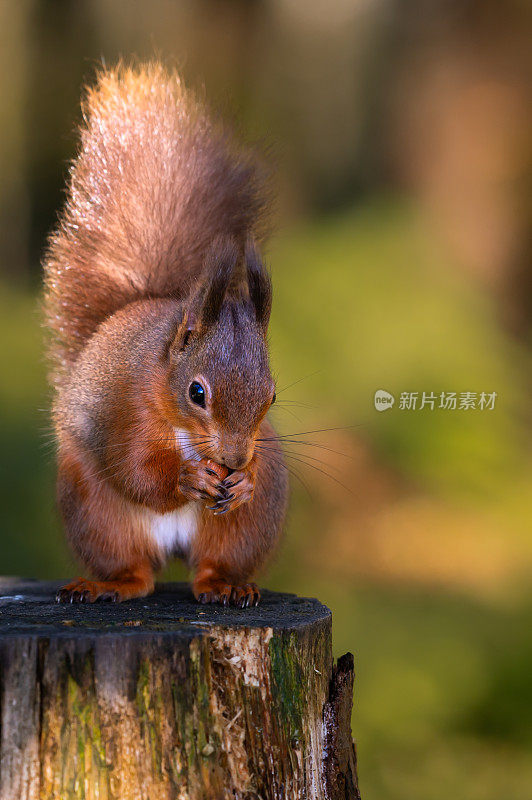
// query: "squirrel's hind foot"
[[124, 586], [83, 591], [218, 591]]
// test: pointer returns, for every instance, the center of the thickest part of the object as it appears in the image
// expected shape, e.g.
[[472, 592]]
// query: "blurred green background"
[[402, 262]]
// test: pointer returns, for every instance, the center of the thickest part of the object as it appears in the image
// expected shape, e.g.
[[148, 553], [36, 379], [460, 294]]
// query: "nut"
[[221, 471]]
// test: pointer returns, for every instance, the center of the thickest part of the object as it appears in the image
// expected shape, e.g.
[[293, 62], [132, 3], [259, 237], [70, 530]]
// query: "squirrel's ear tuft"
[[219, 267], [259, 284]]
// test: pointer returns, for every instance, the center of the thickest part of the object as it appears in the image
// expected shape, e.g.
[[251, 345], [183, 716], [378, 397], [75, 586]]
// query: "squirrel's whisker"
[[291, 470], [323, 472], [298, 442], [318, 469], [288, 410], [318, 430], [299, 380], [320, 461]]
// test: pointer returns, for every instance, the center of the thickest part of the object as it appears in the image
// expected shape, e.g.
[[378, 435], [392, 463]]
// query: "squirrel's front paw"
[[202, 480], [238, 488]]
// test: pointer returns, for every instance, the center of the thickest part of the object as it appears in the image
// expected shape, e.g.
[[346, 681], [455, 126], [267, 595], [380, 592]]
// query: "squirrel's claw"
[[238, 490], [241, 596], [223, 505], [72, 596], [197, 481]]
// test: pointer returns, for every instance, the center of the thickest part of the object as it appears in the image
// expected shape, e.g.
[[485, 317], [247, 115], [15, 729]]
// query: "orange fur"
[[155, 180], [153, 279]]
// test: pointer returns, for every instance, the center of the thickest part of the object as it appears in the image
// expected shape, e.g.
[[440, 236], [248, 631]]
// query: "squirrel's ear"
[[185, 329], [219, 267], [259, 284]]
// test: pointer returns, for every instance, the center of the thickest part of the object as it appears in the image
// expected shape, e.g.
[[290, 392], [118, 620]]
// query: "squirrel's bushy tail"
[[154, 182]]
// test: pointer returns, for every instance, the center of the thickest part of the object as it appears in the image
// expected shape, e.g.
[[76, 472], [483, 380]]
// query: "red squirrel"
[[158, 305]]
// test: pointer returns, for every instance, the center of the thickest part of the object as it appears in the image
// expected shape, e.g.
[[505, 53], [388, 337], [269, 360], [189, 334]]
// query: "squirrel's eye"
[[274, 398], [196, 392]]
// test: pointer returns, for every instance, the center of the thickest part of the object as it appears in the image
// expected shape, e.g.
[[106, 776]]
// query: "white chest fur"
[[175, 530]]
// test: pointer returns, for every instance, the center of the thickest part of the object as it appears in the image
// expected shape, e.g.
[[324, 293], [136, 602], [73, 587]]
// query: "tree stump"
[[164, 698]]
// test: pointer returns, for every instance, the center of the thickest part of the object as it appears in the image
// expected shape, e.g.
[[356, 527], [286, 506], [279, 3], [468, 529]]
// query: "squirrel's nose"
[[235, 463], [235, 451]]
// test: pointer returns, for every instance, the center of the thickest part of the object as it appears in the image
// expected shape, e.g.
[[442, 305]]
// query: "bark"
[[164, 699]]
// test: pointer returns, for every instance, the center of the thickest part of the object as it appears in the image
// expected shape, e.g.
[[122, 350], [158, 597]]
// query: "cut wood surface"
[[162, 698]]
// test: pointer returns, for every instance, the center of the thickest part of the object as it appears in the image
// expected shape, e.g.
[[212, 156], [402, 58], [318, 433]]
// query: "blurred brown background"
[[402, 134]]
